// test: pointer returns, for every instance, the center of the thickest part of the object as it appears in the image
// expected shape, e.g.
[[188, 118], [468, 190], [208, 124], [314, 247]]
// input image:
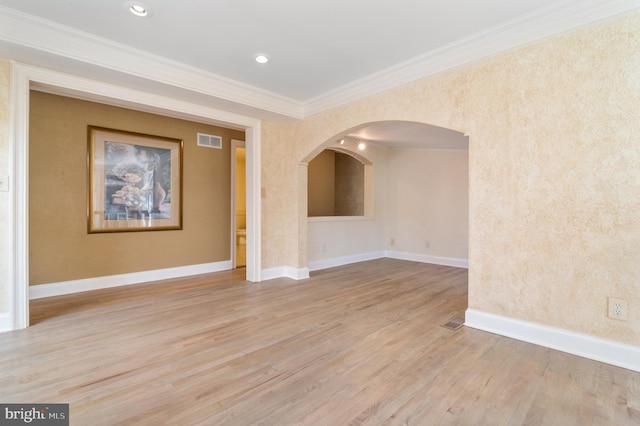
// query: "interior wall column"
[[303, 222]]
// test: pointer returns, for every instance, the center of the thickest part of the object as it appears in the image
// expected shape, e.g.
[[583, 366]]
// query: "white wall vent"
[[209, 141]]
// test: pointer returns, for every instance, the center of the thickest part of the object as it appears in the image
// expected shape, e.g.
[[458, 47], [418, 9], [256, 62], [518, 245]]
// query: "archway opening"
[[419, 199]]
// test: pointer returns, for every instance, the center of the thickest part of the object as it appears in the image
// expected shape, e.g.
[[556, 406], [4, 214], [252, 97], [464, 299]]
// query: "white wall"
[[6, 274], [427, 202]]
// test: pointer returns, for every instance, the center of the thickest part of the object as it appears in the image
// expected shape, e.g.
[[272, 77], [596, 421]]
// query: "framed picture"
[[135, 181]]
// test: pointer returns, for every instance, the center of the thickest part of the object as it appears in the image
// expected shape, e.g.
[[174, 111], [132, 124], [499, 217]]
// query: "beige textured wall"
[[61, 249], [553, 170], [283, 184], [5, 226]]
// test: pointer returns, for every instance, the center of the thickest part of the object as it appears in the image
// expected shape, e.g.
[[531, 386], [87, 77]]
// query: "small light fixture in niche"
[[261, 58]]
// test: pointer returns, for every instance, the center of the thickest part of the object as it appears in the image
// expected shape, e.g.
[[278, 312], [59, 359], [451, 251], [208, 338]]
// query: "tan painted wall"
[[553, 168], [61, 249], [5, 226], [321, 194], [349, 184], [335, 185]]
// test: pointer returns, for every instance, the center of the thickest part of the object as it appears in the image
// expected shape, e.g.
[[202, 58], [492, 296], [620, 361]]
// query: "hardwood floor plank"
[[358, 344]]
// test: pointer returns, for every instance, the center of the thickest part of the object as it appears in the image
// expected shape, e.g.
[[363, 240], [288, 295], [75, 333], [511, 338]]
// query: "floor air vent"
[[209, 141], [454, 324]]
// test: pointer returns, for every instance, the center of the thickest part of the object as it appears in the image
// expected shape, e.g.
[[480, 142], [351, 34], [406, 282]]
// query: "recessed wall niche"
[[336, 185]]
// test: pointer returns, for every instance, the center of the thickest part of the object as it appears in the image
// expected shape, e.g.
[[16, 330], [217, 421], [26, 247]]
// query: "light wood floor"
[[358, 344]]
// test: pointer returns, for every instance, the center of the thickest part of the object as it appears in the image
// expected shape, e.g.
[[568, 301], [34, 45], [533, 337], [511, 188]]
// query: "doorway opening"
[[420, 198], [239, 204], [25, 78]]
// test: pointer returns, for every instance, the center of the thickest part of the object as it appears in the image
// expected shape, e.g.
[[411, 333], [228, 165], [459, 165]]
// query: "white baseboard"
[[584, 345], [284, 272], [76, 286], [88, 284], [424, 258], [317, 265], [5, 322]]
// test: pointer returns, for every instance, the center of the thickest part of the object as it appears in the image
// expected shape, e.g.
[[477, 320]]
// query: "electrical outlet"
[[426, 244], [617, 309], [392, 242]]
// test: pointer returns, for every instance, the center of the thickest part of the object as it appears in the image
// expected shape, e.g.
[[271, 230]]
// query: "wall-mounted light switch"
[[4, 183]]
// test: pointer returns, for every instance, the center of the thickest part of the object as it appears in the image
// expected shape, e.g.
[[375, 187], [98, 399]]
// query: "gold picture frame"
[[135, 181]]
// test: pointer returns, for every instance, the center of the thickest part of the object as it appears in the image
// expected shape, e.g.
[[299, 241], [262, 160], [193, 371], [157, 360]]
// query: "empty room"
[[319, 213]]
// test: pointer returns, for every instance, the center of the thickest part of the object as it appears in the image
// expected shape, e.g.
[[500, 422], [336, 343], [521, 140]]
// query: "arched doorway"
[[419, 185]]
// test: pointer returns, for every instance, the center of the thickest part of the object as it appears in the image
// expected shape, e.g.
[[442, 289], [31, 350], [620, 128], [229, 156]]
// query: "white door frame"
[[23, 79]]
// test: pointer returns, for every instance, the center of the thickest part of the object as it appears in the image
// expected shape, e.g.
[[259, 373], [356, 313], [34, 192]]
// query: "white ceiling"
[[315, 45], [324, 53]]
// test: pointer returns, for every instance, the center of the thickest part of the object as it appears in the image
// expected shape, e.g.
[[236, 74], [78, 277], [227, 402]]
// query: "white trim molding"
[[557, 18], [5, 322], [424, 258], [317, 265], [34, 34], [56, 39], [88, 284], [285, 272], [584, 345]]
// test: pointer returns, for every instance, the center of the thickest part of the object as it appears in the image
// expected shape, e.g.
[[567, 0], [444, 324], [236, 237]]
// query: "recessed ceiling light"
[[137, 8], [261, 58]]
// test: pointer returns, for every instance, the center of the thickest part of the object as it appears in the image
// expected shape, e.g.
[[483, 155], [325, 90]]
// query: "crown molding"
[[45, 36], [546, 22]]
